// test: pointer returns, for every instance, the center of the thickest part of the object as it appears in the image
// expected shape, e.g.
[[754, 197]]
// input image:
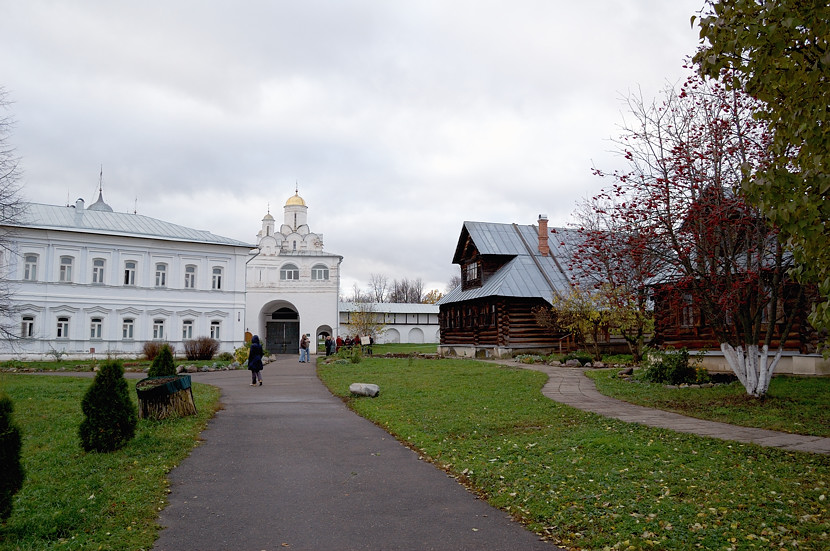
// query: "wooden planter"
[[163, 397]]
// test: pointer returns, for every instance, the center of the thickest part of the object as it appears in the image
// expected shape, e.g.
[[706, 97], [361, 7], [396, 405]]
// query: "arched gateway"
[[291, 283]]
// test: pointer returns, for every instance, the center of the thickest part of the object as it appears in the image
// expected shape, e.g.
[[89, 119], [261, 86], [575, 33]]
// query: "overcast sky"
[[397, 120]]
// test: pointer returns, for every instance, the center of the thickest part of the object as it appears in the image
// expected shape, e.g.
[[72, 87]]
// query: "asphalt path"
[[287, 466]]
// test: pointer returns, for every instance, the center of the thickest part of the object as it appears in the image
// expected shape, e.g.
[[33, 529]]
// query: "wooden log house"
[[507, 270]]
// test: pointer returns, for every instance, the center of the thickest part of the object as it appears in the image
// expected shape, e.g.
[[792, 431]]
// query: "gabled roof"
[[528, 274], [53, 217]]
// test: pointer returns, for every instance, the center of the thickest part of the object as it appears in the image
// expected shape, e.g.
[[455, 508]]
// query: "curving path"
[[569, 385]]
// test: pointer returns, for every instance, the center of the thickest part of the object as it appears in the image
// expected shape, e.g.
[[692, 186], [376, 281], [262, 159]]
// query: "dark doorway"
[[282, 334]]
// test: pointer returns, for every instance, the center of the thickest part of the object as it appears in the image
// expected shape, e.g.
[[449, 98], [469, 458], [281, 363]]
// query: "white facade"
[[292, 284], [403, 322], [95, 282]]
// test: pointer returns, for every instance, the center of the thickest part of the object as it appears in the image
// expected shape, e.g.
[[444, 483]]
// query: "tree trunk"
[[754, 368], [163, 397]]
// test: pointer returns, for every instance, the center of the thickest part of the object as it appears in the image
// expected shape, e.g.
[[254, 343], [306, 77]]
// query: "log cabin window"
[[687, 313], [492, 315]]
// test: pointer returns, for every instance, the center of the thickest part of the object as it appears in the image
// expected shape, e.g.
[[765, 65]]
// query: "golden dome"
[[295, 200]]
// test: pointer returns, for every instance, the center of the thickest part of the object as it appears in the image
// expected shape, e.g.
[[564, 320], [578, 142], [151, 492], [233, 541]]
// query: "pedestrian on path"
[[255, 361], [304, 342]]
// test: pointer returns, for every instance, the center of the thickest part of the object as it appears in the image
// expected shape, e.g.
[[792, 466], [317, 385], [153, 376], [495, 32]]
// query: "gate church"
[[292, 284]]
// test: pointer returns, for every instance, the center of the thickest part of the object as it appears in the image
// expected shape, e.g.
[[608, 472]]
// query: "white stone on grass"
[[364, 389]]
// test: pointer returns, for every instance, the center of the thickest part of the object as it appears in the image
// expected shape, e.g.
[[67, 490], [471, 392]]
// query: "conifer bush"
[[110, 418], [10, 444], [163, 364]]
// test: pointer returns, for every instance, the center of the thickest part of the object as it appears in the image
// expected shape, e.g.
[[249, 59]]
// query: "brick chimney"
[[543, 235]]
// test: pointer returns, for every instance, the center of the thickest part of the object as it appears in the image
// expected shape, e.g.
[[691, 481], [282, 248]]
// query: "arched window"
[[216, 283], [63, 328], [289, 271], [65, 274], [161, 275], [96, 328], [127, 329], [129, 272], [30, 268], [98, 265], [190, 276], [319, 272], [27, 329]]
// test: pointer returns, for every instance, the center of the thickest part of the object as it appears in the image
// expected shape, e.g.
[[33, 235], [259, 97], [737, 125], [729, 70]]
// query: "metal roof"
[[70, 218], [528, 274], [391, 307]]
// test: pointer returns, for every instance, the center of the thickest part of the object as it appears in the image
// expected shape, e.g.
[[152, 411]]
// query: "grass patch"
[[793, 404], [139, 364], [76, 500], [586, 481]]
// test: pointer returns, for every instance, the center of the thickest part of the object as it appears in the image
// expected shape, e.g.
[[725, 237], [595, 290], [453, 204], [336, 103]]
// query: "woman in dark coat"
[[255, 361]]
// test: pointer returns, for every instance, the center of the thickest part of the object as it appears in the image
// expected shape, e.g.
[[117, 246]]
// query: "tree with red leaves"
[[677, 221]]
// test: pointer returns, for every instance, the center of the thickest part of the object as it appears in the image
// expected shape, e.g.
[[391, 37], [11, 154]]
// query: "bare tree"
[[406, 290], [378, 287], [454, 282], [11, 213]]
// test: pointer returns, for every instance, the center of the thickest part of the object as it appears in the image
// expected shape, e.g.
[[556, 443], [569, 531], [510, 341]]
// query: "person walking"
[[255, 361], [304, 342]]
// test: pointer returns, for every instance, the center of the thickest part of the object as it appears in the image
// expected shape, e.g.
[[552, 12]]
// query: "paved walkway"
[[288, 466], [570, 386]]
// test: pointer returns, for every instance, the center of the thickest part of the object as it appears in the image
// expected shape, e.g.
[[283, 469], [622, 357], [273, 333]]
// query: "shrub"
[[203, 348], [163, 365], [225, 357], [351, 353], [10, 466], [624, 359], [110, 418], [670, 367], [151, 349]]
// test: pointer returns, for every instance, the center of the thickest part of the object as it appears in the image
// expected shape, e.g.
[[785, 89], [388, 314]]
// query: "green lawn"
[[76, 500], [586, 481], [793, 404]]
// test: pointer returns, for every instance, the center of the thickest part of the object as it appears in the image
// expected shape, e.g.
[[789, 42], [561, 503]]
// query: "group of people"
[[332, 346]]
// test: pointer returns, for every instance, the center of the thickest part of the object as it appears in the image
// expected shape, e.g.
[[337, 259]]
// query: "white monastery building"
[[88, 281], [402, 322], [292, 284]]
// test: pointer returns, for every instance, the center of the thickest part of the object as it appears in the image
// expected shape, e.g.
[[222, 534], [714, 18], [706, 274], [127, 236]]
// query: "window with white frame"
[[319, 272], [158, 329], [214, 330], [161, 275], [65, 274], [190, 276], [30, 267], [98, 265], [187, 329], [289, 272], [63, 327], [127, 329], [27, 327], [129, 272], [96, 328], [217, 278]]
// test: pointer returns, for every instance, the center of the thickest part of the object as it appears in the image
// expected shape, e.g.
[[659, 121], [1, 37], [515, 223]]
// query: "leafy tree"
[[580, 313], [617, 265], [163, 364], [10, 465], [779, 52], [366, 320], [110, 418], [689, 153], [433, 296]]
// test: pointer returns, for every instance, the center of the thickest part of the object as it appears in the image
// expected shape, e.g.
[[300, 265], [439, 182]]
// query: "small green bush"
[[110, 418], [351, 353], [670, 367], [624, 359], [225, 357], [10, 445], [163, 364]]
